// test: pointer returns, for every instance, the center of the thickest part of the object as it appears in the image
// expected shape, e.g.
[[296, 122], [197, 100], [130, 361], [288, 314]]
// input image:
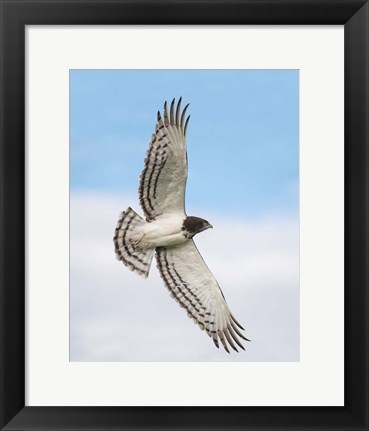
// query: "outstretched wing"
[[194, 287], [163, 180]]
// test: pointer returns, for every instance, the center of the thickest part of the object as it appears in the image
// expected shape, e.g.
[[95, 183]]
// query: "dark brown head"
[[193, 225]]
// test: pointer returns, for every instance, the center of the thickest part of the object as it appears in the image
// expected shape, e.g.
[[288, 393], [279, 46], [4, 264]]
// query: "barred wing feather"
[[163, 180], [194, 287]]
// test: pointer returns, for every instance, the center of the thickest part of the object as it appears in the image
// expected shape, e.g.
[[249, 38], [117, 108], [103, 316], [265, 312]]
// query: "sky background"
[[243, 155]]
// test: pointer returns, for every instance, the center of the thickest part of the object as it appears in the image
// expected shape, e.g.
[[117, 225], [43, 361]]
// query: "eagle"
[[168, 232]]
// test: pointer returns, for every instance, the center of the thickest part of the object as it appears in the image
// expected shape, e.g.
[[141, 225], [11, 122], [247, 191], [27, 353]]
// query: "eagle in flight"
[[168, 232]]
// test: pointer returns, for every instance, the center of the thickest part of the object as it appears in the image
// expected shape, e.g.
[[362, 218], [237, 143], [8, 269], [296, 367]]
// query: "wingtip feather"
[[237, 323], [234, 336], [178, 111], [229, 339], [223, 341], [172, 111], [183, 114], [186, 125]]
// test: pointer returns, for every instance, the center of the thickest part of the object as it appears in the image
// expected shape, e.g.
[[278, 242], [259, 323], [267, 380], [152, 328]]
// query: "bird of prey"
[[168, 232]]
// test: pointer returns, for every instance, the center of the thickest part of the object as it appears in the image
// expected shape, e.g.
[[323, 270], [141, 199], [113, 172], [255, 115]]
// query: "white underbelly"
[[165, 231]]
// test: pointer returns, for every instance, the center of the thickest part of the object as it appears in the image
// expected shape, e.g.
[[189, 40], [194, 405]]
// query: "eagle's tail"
[[126, 236]]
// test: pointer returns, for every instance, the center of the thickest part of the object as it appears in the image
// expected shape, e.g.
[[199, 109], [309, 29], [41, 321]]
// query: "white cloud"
[[118, 316]]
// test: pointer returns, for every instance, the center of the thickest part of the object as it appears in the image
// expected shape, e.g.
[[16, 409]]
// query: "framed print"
[[264, 215], [276, 156]]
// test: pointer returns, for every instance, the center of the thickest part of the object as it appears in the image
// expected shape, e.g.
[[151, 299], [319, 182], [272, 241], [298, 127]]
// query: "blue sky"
[[242, 137]]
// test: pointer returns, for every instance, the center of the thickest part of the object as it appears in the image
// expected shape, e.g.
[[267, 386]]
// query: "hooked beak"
[[208, 226], [205, 227]]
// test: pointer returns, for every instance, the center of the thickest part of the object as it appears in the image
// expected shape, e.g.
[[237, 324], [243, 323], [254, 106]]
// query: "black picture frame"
[[15, 15]]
